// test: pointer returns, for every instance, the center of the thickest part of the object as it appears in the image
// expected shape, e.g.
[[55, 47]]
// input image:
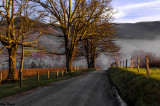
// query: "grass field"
[[31, 82], [154, 72], [137, 89]]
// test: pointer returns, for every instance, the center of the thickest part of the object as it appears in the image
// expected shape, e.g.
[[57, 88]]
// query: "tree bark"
[[88, 61], [69, 64], [13, 74], [22, 61], [93, 62], [68, 60]]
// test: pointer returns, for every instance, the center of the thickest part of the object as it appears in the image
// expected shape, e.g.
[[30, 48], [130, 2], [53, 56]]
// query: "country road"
[[89, 89]]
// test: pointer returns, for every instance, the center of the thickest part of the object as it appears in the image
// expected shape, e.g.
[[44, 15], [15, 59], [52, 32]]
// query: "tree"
[[9, 37], [99, 42], [14, 26], [154, 61], [74, 19]]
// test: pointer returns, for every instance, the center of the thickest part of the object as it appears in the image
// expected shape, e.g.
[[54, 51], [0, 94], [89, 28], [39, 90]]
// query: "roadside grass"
[[137, 89], [154, 72], [31, 82]]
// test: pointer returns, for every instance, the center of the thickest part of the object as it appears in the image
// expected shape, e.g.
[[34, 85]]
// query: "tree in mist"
[[154, 61], [100, 42], [74, 17]]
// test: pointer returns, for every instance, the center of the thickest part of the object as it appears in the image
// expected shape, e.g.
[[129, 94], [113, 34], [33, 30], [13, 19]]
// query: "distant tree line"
[[154, 61]]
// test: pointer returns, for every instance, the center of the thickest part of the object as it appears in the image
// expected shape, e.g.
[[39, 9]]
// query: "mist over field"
[[134, 36], [129, 45], [138, 36]]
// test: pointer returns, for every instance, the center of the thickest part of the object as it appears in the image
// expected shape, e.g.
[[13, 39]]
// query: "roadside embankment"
[[135, 88]]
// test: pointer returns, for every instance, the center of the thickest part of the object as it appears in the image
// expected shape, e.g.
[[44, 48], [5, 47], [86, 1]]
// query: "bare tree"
[[99, 42], [14, 27], [154, 61], [74, 18]]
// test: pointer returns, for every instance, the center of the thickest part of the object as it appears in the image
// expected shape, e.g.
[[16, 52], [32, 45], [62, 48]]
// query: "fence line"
[[132, 64], [38, 71]]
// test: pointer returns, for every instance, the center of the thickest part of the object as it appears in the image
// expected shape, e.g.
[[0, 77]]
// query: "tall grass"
[[137, 89]]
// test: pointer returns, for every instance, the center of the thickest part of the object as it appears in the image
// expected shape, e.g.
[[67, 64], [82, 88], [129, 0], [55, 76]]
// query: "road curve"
[[89, 89]]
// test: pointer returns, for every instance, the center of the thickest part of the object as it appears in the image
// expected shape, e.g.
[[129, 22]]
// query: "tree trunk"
[[87, 53], [93, 62], [88, 62], [22, 61], [67, 54], [68, 59], [69, 63], [13, 74]]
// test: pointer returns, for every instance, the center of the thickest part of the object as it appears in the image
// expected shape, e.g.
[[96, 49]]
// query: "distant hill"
[[141, 30]]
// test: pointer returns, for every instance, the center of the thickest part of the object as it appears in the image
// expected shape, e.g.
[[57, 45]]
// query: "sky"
[[132, 11]]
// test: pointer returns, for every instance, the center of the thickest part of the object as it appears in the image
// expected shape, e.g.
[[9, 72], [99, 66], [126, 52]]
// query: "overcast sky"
[[131, 11]]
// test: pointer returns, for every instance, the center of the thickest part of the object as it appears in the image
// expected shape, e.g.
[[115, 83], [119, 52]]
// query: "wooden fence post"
[[126, 63], [62, 73], [123, 64], [37, 76], [57, 74], [131, 63], [112, 65], [76, 68], [118, 63], [48, 74], [138, 63], [147, 65], [66, 71], [0, 77]]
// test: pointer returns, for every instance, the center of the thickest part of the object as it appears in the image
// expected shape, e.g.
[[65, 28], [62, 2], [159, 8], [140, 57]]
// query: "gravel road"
[[89, 89]]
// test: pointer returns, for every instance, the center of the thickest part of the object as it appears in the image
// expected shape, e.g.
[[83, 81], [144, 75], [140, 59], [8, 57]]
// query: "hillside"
[[141, 30]]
